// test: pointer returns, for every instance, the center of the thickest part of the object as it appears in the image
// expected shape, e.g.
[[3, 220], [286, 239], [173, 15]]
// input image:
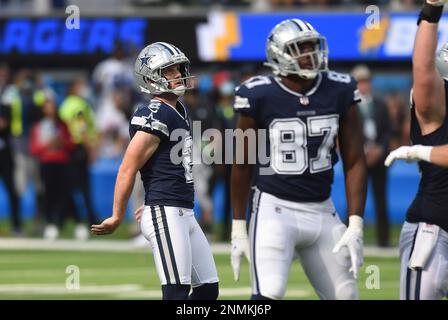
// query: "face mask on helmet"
[[442, 61], [151, 65], [176, 85], [294, 48]]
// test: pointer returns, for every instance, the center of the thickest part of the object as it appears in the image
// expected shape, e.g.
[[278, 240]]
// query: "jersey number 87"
[[289, 139]]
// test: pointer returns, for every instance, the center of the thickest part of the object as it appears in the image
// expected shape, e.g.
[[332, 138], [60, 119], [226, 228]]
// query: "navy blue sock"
[[259, 297], [206, 291], [175, 291]]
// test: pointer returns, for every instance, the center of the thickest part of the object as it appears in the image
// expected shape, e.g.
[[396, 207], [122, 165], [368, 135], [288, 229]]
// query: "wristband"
[[430, 13]]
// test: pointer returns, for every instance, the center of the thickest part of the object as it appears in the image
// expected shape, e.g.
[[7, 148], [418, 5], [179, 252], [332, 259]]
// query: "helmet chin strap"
[[309, 76], [179, 91]]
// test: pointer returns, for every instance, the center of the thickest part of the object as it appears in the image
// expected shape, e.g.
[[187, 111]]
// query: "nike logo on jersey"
[[306, 113]]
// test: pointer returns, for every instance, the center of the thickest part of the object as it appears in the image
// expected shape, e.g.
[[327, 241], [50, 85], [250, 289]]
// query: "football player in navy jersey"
[[424, 235], [181, 252], [304, 109]]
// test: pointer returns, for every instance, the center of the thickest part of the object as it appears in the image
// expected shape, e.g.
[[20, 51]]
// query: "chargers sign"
[[27, 36], [242, 37], [218, 36]]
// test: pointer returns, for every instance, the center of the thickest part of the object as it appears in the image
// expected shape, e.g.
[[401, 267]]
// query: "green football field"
[[130, 274], [45, 274]]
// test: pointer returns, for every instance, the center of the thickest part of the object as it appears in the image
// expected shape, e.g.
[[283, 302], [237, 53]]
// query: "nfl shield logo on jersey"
[[304, 100]]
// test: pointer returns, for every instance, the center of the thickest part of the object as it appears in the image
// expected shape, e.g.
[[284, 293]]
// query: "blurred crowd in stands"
[[263, 5], [52, 131]]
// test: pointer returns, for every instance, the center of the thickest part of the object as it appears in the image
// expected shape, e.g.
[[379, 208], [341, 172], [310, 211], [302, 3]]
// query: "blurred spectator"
[[247, 71], [404, 4], [113, 80], [19, 97], [376, 127], [7, 168], [399, 120], [276, 3], [230, 3], [50, 142], [226, 118], [76, 112], [58, 4], [106, 75], [24, 112], [40, 92], [372, 2], [113, 126], [4, 77]]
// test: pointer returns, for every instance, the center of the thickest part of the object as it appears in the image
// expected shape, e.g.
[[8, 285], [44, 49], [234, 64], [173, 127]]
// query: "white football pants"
[[281, 230], [430, 283], [181, 252]]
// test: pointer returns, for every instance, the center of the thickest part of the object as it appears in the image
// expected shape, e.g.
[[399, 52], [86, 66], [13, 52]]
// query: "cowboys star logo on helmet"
[[144, 60]]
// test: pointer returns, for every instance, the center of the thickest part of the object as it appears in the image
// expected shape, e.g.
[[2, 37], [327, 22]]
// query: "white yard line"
[[121, 291], [60, 272], [129, 246], [61, 289]]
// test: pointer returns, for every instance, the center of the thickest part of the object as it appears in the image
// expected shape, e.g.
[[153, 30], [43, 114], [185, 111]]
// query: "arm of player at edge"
[[428, 92], [140, 149]]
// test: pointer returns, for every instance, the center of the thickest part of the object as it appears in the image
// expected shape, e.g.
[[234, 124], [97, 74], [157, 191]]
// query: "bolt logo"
[[218, 36], [373, 35]]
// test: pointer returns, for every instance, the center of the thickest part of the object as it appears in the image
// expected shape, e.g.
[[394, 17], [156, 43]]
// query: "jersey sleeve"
[[245, 101], [153, 119], [351, 95]]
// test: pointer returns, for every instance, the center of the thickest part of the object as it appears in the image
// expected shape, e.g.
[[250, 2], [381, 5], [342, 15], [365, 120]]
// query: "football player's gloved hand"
[[352, 239], [436, 2], [240, 246], [409, 153]]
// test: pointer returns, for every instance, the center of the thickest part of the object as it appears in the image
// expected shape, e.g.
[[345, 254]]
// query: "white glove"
[[352, 239], [409, 153], [240, 246], [436, 2]]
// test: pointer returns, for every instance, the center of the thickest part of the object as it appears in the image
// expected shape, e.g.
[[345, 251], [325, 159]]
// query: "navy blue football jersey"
[[166, 182], [301, 132], [431, 202]]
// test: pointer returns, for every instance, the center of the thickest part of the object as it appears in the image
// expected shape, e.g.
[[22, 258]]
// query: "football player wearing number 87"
[[305, 109]]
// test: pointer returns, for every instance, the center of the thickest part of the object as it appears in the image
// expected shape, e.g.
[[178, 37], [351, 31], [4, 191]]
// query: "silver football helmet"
[[149, 66], [284, 49], [442, 61]]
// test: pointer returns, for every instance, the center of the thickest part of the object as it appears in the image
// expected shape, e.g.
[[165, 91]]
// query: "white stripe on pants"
[[181, 251], [280, 230]]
